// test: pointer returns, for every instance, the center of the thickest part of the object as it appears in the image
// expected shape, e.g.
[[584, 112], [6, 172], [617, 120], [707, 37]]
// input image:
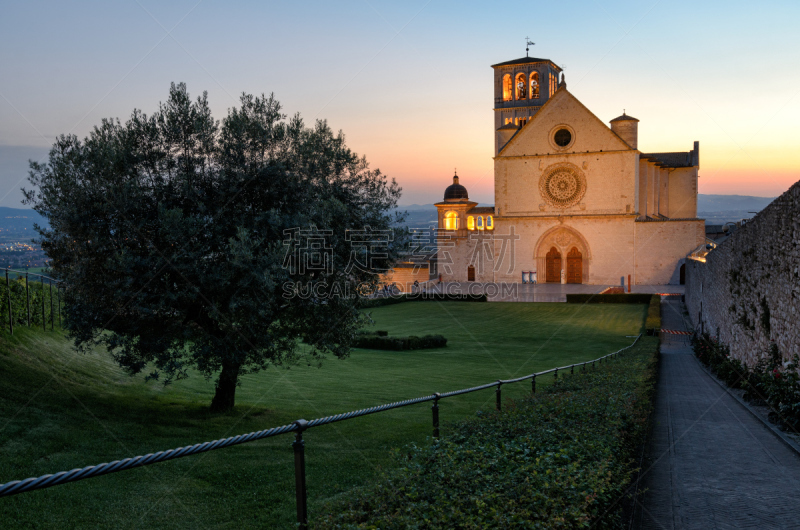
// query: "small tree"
[[184, 243]]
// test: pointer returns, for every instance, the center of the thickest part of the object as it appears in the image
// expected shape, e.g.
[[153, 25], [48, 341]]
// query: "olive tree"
[[186, 243]]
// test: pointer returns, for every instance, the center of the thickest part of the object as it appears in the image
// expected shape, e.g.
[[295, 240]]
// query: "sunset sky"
[[410, 83]]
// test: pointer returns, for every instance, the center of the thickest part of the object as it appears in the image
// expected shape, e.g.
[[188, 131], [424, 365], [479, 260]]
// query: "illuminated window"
[[507, 87], [451, 221], [520, 86], [470, 223], [509, 120], [480, 222], [534, 85], [489, 223], [552, 84]]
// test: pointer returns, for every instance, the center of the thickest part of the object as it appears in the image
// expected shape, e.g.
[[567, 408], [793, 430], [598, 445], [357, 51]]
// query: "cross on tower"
[[528, 43]]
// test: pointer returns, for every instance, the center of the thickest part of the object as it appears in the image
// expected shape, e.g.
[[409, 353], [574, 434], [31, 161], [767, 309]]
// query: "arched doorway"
[[683, 274], [574, 266], [562, 243], [553, 261]]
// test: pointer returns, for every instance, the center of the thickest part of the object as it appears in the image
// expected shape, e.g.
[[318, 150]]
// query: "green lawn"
[[60, 410]]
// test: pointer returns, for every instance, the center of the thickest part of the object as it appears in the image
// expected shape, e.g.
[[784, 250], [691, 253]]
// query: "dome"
[[455, 191]]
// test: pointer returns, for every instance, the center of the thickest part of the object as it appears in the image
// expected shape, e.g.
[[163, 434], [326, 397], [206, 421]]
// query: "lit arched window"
[[520, 86], [507, 93], [534, 85], [451, 221], [470, 223], [480, 222], [489, 223]]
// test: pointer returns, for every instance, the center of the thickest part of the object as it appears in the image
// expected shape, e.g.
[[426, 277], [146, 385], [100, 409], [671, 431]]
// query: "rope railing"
[[45, 481]]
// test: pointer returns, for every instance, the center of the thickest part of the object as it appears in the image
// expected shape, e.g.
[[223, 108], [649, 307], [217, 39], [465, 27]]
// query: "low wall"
[[748, 290]]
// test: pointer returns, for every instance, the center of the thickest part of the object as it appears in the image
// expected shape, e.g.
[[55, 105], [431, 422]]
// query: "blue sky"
[[409, 83]]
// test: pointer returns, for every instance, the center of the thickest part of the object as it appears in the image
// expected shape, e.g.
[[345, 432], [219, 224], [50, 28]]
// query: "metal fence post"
[[533, 384], [435, 409], [10, 318], [572, 369], [555, 377], [58, 291], [28, 298], [498, 401], [52, 315], [300, 474]]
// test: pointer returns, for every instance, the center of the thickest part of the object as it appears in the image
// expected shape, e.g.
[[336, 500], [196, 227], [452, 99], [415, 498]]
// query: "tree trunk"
[[225, 395]]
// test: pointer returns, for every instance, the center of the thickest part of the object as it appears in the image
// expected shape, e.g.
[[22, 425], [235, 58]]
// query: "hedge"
[[420, 297], [632, 298], [561, 459], [382, 342], [653, 321]]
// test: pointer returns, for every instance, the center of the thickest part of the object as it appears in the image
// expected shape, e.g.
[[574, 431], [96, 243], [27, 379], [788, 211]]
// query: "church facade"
[[575, 200]]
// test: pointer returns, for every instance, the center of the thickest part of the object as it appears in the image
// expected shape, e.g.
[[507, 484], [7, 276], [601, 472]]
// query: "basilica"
[[575, 199]]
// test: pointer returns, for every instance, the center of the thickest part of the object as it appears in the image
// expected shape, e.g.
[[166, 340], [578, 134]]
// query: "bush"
[[379, 333], [383, 342], [561, 459], [770, 381], [653, 321], [633, 298]]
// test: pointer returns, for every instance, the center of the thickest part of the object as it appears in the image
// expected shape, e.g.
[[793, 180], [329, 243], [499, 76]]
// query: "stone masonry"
[[748, 291]]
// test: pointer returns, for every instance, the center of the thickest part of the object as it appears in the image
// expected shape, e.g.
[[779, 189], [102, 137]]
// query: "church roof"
[[683, 159], [525, 60], [624, 117], [508, 125]]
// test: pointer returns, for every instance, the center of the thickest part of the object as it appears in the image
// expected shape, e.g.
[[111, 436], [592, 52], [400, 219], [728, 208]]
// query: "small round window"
[[562, 137]]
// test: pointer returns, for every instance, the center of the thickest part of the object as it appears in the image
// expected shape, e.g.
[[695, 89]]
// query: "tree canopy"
[[186, 243]]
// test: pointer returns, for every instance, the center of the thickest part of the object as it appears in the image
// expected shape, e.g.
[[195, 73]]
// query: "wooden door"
[[470, 273], [574, 266], [553, 268]]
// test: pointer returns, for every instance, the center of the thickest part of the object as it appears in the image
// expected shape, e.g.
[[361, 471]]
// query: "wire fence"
[[32, 303], [298, 427]]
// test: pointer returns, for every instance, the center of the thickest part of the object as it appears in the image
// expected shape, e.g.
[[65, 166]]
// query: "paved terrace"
[[710, 463], [539, 292]]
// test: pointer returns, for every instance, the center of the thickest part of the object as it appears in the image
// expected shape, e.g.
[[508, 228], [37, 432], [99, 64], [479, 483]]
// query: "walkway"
[[710, 463], [540, 292]]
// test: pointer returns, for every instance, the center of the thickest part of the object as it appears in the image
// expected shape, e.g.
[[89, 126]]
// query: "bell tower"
[[521, 87]]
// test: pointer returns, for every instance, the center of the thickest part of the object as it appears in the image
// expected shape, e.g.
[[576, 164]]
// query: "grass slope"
[[60, 410]]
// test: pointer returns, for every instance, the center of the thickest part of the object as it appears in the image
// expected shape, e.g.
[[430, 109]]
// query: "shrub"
[[379, 332], [383, 342], [633, 298], [653, 321], [561, 459]]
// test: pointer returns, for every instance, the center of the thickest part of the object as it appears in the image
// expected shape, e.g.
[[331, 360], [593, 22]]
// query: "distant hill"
[[722, 203], [19, 219], [715, 209]]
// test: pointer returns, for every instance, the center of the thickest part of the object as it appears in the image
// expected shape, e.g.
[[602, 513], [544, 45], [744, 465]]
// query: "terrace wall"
[[748, 291]]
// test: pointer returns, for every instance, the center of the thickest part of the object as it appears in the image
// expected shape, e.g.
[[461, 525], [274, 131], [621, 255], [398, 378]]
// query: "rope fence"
[[45, 481]]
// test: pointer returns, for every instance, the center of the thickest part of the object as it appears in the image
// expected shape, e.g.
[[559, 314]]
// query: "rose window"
[[562, 186]]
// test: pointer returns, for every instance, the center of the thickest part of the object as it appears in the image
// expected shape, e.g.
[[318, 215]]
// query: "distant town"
[[17, 249]]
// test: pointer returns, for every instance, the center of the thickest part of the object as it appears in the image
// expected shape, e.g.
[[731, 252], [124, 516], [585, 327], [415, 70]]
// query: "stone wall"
[[748, 290]]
